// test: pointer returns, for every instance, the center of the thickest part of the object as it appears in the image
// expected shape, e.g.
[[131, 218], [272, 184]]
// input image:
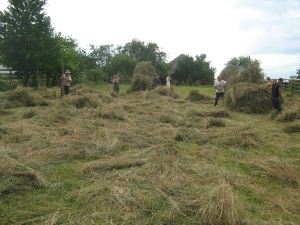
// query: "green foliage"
[[123, 65], [298, 73], [26, 38], [190, 70], [293, 87], [96, 75], [101, 55]]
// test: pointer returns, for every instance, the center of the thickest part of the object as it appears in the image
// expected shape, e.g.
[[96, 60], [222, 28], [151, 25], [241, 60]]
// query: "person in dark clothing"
[[276, 96]]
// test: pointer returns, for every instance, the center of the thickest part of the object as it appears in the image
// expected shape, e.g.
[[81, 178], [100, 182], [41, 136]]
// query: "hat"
[[68, 72]]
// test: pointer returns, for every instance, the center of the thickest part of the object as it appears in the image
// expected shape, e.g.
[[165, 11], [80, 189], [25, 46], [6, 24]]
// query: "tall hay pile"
[[143, 75], [248, 98]]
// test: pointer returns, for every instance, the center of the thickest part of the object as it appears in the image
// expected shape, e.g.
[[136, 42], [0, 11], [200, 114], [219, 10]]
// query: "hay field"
[[151, 157]]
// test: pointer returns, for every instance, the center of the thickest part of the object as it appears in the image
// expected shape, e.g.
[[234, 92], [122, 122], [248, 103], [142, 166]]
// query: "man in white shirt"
[[219, 85]]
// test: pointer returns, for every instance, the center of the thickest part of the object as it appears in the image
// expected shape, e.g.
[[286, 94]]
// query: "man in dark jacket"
[[276, 96]]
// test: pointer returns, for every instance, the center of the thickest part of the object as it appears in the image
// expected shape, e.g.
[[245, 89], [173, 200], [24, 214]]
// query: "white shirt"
[[220, 85]]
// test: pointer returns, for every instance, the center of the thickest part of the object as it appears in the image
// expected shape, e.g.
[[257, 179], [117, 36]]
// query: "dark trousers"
[[276, 104], [219, 95], [66, 90]]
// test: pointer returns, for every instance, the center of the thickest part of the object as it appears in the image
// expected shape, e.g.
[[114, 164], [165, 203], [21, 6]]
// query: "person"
[[276, 96], [65, 82], [168, 81], [269, 83], [116, 83], [220, 91]]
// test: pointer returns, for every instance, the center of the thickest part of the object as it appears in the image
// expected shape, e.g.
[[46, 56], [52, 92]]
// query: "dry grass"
[[24, 97], [147, 158], [278, 170], [16, 176], [292, 128], [112, 164], [195, 95], [289, 115], [215, 122], [223, 207]]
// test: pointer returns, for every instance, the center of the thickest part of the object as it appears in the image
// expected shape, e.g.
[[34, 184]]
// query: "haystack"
[[248, 98], [143, 75]]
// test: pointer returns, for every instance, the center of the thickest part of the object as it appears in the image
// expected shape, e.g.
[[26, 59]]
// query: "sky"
[[266, 30]]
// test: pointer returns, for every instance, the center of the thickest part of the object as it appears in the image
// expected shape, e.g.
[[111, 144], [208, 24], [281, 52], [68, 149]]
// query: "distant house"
[[173, 64]]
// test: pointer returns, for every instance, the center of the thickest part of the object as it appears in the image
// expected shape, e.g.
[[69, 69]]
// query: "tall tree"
[[190, 70], [100, 55], [27, 42]]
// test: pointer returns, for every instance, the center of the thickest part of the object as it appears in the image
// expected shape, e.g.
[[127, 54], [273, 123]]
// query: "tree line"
[[30, 46]]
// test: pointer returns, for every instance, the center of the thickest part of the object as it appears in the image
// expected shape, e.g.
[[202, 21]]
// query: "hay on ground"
[[248, 98], [289, 116], [82, 101], [215, 122], [17, 177], [24, 97], [223, 207], [279, 171], [195, 95], [112, 164], [292, 128], [166, 92]]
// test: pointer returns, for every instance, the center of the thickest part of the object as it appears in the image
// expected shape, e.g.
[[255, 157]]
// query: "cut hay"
[[164, 91], [143, 75], [278, 171], [217, 114], [292, 128], [195, 95], [17, 177], [81, 89], [24, 97], [248, 98], [82, 101], [112, 164], [188, 135], [215, 122], [289, 116], [223, 207]]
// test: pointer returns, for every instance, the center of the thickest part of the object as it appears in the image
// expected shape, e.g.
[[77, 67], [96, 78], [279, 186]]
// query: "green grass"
[[121, 162]]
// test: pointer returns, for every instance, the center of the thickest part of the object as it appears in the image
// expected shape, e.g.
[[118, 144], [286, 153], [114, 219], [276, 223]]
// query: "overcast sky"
[[267, 30]]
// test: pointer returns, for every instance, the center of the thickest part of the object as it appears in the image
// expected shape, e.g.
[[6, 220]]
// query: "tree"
[[298, 73], [100, 55], [122, 64], [146, 52], [190, 70], [27, 42]]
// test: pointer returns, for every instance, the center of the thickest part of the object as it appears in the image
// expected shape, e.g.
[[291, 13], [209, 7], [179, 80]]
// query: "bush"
[[195, 95], [248, 98], [96, 75]]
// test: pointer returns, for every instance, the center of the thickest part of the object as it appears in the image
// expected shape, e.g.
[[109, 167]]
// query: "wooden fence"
[[9, 76], [287, 84]]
